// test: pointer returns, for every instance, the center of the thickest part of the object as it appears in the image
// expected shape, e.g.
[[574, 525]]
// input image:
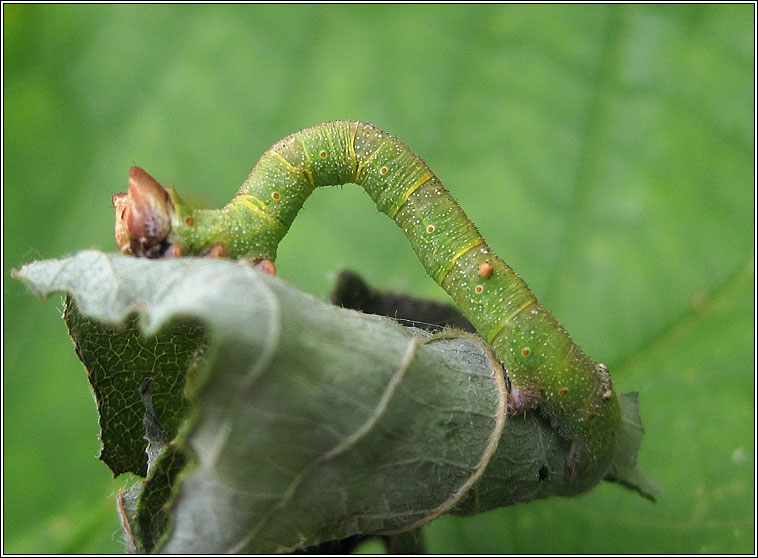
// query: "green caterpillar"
[[545, 368]]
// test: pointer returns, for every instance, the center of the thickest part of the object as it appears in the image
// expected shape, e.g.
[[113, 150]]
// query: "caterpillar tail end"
[[143, 216]]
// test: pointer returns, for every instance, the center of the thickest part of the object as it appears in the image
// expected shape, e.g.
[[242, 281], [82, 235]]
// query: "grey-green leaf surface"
[[606, 152], [306, 422]]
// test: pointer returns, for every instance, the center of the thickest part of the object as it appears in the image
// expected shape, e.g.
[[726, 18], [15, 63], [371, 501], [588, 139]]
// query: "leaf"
[[307, 422], [624, 470], [118, 359]]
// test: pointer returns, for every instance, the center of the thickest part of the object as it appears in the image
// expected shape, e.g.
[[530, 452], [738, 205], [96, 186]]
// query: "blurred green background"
[[606, 152]]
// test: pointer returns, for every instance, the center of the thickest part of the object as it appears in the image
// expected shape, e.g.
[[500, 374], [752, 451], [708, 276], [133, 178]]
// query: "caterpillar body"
[[545, 368]]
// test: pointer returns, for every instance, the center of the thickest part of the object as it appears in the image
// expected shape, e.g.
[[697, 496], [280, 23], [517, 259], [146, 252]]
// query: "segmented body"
[[545, 367]]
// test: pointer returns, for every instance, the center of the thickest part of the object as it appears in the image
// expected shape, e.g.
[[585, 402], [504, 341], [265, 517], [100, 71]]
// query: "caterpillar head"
[[143, 216]]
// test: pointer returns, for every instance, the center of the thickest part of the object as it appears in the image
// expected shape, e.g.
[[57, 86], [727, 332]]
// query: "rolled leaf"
[[299, 422]]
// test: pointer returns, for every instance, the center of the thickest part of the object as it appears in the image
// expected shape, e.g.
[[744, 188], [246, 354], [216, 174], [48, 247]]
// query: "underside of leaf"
[[282, 422]]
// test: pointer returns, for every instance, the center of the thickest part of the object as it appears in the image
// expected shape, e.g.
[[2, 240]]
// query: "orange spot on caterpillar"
[[384, 170], [526, 351], [485, 270], [430, 229], [478, 288], [276, 195], [322, 154], [190, 221], [563, 392]]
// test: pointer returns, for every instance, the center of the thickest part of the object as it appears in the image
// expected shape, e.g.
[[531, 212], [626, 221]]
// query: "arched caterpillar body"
[[546, 369]]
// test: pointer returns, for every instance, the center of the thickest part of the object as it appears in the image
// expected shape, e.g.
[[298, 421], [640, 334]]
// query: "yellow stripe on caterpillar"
[[473, 243], [415, 186], [256, 205], [523, 306]]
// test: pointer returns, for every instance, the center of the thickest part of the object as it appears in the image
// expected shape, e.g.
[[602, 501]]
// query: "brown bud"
[[143, 216], [120, 202]]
